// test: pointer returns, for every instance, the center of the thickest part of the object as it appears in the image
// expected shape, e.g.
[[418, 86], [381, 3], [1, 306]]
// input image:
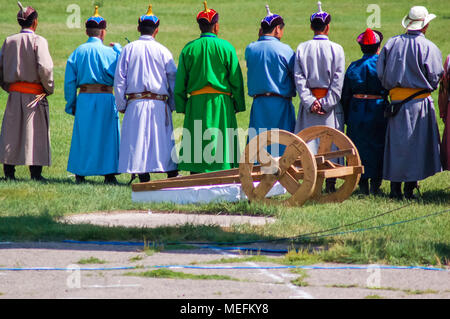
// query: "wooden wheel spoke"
[[350, 172], [290, 156], [265, 158], [289, 182], [326, 142], [265, 185]]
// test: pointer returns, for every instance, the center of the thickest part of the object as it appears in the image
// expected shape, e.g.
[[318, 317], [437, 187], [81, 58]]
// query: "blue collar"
[[320, 37], [95, 39], [26, 30], [369, 55], [208, 35], [268, 38]]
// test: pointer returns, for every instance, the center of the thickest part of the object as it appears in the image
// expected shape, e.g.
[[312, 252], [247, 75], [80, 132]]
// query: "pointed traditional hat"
[[149, 19], [271, 20], [25, 14], [209, 16], [320, 17], [96, 21]]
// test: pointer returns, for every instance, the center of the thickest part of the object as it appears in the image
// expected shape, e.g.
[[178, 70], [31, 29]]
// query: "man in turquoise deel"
[[95, 139], [270, 79]]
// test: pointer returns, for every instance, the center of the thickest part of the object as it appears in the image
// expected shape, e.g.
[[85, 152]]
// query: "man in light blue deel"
[[95, 140], [270, 79]]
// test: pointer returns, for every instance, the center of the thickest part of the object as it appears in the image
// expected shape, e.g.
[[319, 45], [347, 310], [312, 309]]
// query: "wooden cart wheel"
[[327, 138], [280, 169]]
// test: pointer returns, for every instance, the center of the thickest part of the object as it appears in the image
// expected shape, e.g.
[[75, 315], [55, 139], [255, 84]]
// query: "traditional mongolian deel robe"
[[319, 63], [25, 136], [444, 112], [412, 136], [95, 139], [366, 124], [270, 65], [146, 136], [210, 140]]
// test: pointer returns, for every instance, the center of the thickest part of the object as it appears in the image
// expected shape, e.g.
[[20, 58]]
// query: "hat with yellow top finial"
[[207, 16], [96, 21]]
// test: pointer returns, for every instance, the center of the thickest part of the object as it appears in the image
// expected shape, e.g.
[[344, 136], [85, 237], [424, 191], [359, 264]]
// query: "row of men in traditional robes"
[[207, 87]]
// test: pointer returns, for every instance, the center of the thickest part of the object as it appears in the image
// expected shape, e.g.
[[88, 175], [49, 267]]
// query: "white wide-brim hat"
[[417, 18]]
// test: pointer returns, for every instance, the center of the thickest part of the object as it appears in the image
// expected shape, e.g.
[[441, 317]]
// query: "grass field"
[[30, 210]]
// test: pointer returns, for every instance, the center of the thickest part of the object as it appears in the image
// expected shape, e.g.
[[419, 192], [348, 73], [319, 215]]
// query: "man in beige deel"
[[26, 73]]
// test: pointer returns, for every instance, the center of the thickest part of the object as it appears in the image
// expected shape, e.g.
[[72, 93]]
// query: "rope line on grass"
[[71, 268]]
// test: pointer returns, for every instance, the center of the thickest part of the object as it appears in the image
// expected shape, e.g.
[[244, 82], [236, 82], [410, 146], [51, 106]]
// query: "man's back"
[[319, 60], [410, 61], [270, 65], [25, 58], [92, 62], [210, 59], [147, 66]]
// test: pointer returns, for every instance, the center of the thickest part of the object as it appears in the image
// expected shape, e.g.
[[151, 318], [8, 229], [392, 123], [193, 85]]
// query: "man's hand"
[[316, 107]]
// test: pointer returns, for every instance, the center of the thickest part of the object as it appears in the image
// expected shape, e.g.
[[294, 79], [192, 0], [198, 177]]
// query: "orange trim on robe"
[[26, 87], [208, 90], [319, 93], [400, 94]]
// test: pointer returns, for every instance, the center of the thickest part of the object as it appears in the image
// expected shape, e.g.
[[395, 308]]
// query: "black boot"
[[79, 179], [110, 179], [173, 174], [396, 190], [375, 184], [330, 185], [9, 171], [36, 173], [144, 177], [409, 190], [364, 186]]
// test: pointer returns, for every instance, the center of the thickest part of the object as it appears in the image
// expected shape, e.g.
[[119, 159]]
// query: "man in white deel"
[[412, 137], [319, 73], [143, 85]]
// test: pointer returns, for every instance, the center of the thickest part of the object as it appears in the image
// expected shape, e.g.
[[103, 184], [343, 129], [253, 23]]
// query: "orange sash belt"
[[208, 89], [26, 87], [319, 93], [400, 94]]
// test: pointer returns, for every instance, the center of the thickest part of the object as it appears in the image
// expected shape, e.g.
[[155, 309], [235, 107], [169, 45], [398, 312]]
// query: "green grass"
[[167, 273], [300, 280], [373, 297], [32, 211], [91, 260]]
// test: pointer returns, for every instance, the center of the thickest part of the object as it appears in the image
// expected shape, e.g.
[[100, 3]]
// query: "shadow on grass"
[[439, 196], [21, 230], [95, 180]]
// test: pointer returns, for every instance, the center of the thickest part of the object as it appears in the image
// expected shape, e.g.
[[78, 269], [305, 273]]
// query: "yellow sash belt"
[[208, 89], [400, 94]]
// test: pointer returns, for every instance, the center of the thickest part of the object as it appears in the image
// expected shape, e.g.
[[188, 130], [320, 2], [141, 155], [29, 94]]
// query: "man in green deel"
[[209, 90]]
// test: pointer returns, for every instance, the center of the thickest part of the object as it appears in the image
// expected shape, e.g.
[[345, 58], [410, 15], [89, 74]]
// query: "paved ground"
[[156, 219], [66, 277]]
